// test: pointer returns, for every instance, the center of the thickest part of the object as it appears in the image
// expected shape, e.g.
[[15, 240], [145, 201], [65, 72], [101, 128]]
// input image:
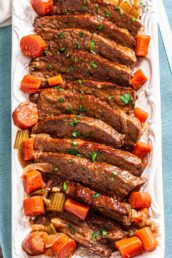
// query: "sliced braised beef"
[[80, 127], [52, 102], [97, 233], [100, 7], [90, 150], [102, 177], [109, 92], [80, 65], [89, 42], [94, 24]]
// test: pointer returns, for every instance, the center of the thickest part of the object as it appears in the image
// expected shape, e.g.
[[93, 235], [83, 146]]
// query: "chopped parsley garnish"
[[61, 35], [94, 235], [126, 98], [70, 110], [77, 46], [97, 8], [96, 195], [92, 64], [61, 100], [103, 232], [81, 34], [46, 51], [76, 134], [116, 7], [73, 231], [93, 156], [81, 97], [49, 67], [74, 143], [62, 50], [84, 8], [100, 27], [133, 19], [74, 122], [74, 152], [82, 108], [59, 88], [107, 14], [69, 226], [65, 186], [92, 46], [80, 82]]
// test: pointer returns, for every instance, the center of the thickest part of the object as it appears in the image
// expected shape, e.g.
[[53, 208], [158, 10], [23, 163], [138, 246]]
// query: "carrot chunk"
[[30, 84], [141, 216], [33, 206], [34, 243], [129, 247], [32, 45], [142, 45], [138, 79], [32, 181], [42, 7], [140, 200], [64, 246], [55, 80], [25, 115], [78, 209], [148, 239], [28, 149], [141, 149], [140, 114]]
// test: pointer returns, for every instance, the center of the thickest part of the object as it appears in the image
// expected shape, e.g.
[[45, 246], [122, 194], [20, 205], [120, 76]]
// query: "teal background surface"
[[5, 138]]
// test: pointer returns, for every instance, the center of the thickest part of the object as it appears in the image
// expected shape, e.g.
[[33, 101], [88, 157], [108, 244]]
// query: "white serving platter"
[[149, 99]]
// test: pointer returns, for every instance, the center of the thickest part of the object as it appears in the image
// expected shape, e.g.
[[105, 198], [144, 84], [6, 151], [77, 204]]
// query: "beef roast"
[[51, 102], [80, 65], [87, 128], [90, 150], [102, 177], [105, 91], [92, 23], [99, 7], [58, 40]]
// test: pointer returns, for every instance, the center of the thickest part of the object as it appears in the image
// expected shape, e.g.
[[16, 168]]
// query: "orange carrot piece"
[[30, 84], [140, 200], [25, 115], [28, 149], [64, 246], [141, 149], [78, 209], [32, 181], [140, 114], [55, 80], [129, 247], [138, 79], [142, 45], [148, 239], [32, 45], [42, 7], [33, 206]]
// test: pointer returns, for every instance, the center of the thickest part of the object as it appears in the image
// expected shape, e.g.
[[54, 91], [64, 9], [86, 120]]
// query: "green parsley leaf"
[[59, 88], [82, 108], [70, 110], [94, 235], [116, 7], [107, 14], [61, 35], [133, 19], [76, 134], [69, 226], [74, 143], [74, 152], [97, 8], [62, 50], [49, 67], [92, 46], [61, 100], [65, 186], [93, 156], [81, 34], [100, 27], [126, 98], [46, 51], [92, 64], [81, 97], [103, 232], [84, 8], [96, 195], [80, 82], [74, 122], [73, 231]]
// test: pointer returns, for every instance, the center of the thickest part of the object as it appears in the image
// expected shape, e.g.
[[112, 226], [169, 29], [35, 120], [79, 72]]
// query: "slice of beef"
[[80, 65], [99, 7], [52, 102], [92, 23], [102, 177], [87, 128], [105, 91], [90, 150], [58, 40]]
